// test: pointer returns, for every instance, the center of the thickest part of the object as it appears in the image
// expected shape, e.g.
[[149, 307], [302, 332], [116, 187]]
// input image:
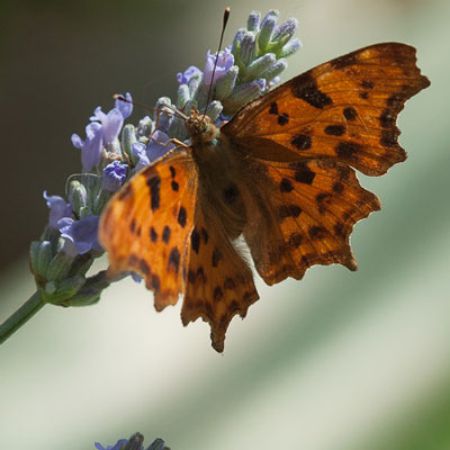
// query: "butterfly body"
[[280, 175], [218, 171]]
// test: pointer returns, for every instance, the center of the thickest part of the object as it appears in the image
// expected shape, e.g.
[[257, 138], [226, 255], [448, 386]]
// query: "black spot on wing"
[[216, 257], [286, 185], [283, 119], [195, 240], [182, 216], [191, 276], [174, 259], [153, 234], [350, 113], [166, 234], [154, 185], [303, 174], [217, 294], [335, 130], [306, 89], [317, 232], [273, 108], [347, 150], [367, 84], [301, 141], [289, 211]]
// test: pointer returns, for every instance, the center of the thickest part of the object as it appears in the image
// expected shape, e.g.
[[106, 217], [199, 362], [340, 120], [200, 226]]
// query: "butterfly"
[[277, 182]]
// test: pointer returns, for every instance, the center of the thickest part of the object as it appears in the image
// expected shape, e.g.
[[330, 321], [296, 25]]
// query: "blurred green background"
[[337, 361]]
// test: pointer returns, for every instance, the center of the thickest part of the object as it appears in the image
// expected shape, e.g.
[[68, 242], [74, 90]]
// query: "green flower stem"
[[21, 316]]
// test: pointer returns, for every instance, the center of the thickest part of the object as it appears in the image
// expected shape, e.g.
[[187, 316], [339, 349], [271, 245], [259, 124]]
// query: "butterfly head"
[[201, 128]]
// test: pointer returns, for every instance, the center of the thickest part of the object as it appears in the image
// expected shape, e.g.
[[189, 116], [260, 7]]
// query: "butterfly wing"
[[219, 281], [302, 213], [345, 110], [146, 226], [298, 143]]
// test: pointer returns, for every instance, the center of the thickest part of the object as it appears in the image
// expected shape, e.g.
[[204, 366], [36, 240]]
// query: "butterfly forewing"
[[146, 226], [345, 110]]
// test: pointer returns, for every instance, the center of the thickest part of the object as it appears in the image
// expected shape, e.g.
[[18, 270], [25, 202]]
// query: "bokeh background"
[[337, 361]]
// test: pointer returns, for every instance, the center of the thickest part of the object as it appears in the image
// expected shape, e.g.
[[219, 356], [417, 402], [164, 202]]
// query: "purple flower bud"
[[163, 116], [125, 108], [253, 21], [248, 48], [237, 40], [111, 124], [114, 175], [91, 148], [117, 446], [286, 30], [81, 235], [59, 208], [140, 157], [224, 63], [158, 146], [186, 76], [262, 84]]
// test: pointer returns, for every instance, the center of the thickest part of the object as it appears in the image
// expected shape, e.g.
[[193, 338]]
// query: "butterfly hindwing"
[[302, 213], [219, 281], [145, 228], [345, 110]]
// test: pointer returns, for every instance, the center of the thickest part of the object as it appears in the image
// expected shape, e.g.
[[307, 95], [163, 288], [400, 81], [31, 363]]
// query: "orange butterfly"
[[280, 174]]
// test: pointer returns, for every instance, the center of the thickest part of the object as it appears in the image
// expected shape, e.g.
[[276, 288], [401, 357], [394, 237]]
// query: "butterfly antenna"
[[226, 16]]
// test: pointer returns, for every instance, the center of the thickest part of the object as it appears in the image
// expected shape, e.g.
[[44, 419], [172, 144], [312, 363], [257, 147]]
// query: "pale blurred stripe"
[[321, 364]]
